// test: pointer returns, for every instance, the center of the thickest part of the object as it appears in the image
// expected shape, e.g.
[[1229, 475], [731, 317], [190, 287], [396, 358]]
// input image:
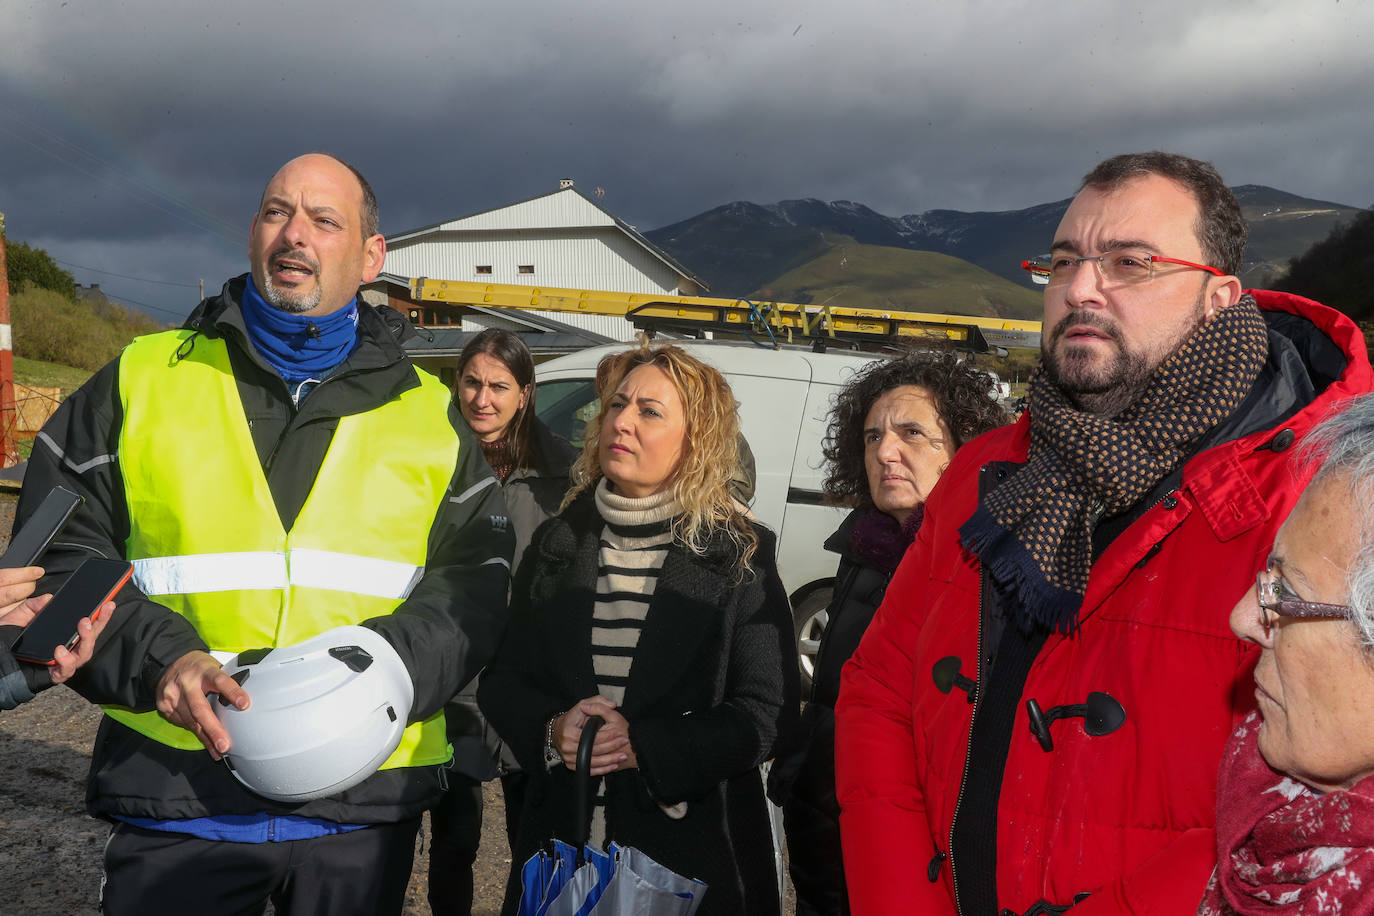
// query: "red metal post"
[[9, 453]]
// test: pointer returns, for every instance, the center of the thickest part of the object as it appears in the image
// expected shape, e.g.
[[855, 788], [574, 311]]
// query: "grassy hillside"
[[59, 341], [38, 374], [50, 327], [732, 248], [874, 276]]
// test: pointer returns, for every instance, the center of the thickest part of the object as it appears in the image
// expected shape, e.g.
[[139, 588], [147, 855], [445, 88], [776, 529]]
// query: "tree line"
[[1339, 270], [52, 323]]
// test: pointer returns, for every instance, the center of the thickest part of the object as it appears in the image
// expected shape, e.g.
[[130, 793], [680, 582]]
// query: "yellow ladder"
[[780, 321]]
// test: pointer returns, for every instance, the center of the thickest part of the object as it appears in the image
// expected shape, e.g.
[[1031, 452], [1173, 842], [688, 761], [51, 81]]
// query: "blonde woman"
[[653, 602]]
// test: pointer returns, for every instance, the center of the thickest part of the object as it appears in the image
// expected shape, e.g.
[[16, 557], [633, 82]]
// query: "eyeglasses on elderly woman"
[[1276, 599]]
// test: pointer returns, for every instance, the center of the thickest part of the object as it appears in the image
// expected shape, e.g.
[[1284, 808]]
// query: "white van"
[[784, 397]]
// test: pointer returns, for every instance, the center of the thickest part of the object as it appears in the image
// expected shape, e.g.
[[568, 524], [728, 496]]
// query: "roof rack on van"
[[780, 322]]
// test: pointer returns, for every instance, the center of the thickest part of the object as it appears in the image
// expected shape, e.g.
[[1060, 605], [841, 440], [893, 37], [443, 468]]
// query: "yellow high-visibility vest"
[[205, 538]]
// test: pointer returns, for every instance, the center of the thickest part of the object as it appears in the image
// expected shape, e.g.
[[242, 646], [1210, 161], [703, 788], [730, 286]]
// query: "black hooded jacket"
[[445, 631]]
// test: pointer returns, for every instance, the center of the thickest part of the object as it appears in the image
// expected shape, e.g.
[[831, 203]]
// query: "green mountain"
[[1283, 227], [882, 277], [741, 247]]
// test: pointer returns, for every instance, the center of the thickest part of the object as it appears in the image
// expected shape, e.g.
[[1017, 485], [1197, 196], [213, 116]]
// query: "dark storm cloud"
[[135, 138]]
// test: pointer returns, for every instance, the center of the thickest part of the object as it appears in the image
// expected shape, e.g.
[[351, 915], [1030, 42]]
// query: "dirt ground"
[[50, 849]]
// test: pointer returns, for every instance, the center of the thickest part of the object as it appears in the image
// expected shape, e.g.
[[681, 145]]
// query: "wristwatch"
[[551, 756]]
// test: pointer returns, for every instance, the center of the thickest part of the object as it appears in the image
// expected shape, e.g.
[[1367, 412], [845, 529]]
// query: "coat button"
[[1283, 440]]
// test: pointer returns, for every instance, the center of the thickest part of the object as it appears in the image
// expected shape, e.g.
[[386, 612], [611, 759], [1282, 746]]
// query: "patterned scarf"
[[1033, 533], [1283, 848], [500, 456]]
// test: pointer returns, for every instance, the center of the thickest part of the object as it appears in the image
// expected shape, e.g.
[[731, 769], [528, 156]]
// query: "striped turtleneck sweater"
[[630, 556]]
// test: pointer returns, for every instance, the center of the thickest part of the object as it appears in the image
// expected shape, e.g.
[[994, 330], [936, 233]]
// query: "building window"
[[484, 268], [527, 268]]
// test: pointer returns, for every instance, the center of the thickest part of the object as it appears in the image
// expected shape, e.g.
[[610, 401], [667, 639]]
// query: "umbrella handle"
[[584, 779]]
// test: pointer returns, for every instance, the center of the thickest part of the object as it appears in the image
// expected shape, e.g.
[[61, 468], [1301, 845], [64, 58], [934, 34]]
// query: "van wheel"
[[809, 618]]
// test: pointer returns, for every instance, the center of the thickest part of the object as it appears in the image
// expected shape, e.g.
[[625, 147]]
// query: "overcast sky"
[[136, 136]]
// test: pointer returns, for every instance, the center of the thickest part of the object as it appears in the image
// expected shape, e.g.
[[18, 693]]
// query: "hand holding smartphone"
[[84, 594]]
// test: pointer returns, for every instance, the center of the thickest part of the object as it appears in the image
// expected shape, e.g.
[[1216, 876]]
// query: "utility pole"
[[9, 453]]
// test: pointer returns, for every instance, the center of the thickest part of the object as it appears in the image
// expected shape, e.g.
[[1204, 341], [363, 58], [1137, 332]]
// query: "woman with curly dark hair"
[[891, 434]]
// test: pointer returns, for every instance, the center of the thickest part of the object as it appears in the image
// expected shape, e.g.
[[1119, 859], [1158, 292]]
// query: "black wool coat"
[[803, 777], [713, 683]]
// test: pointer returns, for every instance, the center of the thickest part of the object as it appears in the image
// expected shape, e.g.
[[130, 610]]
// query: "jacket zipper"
[[968, 751], [968, 756]]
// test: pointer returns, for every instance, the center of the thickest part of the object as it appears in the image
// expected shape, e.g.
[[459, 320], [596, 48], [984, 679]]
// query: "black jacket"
[[803, 776], [18, 682], [444, 631], [712, 684], [533, 495]]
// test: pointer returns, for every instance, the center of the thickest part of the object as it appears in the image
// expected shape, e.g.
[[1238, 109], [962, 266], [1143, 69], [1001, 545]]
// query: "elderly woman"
[[891, 434], [1295, 801], [653, 602]]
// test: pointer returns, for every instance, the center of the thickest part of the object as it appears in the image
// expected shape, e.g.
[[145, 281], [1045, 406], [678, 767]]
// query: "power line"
[[126, 277], [117, 299]]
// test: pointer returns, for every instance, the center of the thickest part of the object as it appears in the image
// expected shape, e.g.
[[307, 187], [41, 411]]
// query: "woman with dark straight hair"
[[495, 394]]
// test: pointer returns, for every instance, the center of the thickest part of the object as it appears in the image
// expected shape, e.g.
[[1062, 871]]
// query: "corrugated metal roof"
[[562, 208], [450, 342], [526, 317], [611, 327]]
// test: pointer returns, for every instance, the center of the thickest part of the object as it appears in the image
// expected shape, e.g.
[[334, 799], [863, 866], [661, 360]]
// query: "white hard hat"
[[324, 716]]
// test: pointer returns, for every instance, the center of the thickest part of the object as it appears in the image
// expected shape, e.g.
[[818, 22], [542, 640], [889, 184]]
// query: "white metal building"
[[561, 239]]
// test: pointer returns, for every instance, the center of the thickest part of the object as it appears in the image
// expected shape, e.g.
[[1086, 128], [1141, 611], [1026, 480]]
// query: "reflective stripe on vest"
[[218, 572], [205, 537]]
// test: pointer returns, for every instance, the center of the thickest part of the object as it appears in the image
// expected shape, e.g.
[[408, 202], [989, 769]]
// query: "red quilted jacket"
[[1127, 817]]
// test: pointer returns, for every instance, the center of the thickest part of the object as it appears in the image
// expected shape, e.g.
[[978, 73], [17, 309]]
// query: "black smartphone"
[[33, 539], [94, 582]]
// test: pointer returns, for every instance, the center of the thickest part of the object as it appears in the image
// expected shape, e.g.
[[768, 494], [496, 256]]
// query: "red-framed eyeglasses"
[[1117, 267]]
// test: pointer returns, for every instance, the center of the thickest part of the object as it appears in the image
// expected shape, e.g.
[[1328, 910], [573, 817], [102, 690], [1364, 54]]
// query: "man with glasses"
[[1037, 713]]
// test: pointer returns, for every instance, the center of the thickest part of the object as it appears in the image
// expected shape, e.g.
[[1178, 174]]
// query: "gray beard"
[[290, 302]]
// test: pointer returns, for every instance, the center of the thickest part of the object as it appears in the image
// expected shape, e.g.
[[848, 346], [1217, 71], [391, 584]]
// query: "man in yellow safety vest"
[[275, 468]]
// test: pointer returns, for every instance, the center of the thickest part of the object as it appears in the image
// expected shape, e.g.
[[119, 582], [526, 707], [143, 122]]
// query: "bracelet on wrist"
[[551, 756]]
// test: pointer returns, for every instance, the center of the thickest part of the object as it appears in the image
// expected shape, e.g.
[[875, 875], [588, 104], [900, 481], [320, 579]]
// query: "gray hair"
[[1342, 449]]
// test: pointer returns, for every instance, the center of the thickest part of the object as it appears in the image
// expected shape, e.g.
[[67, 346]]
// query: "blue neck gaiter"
[[299, 346]]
